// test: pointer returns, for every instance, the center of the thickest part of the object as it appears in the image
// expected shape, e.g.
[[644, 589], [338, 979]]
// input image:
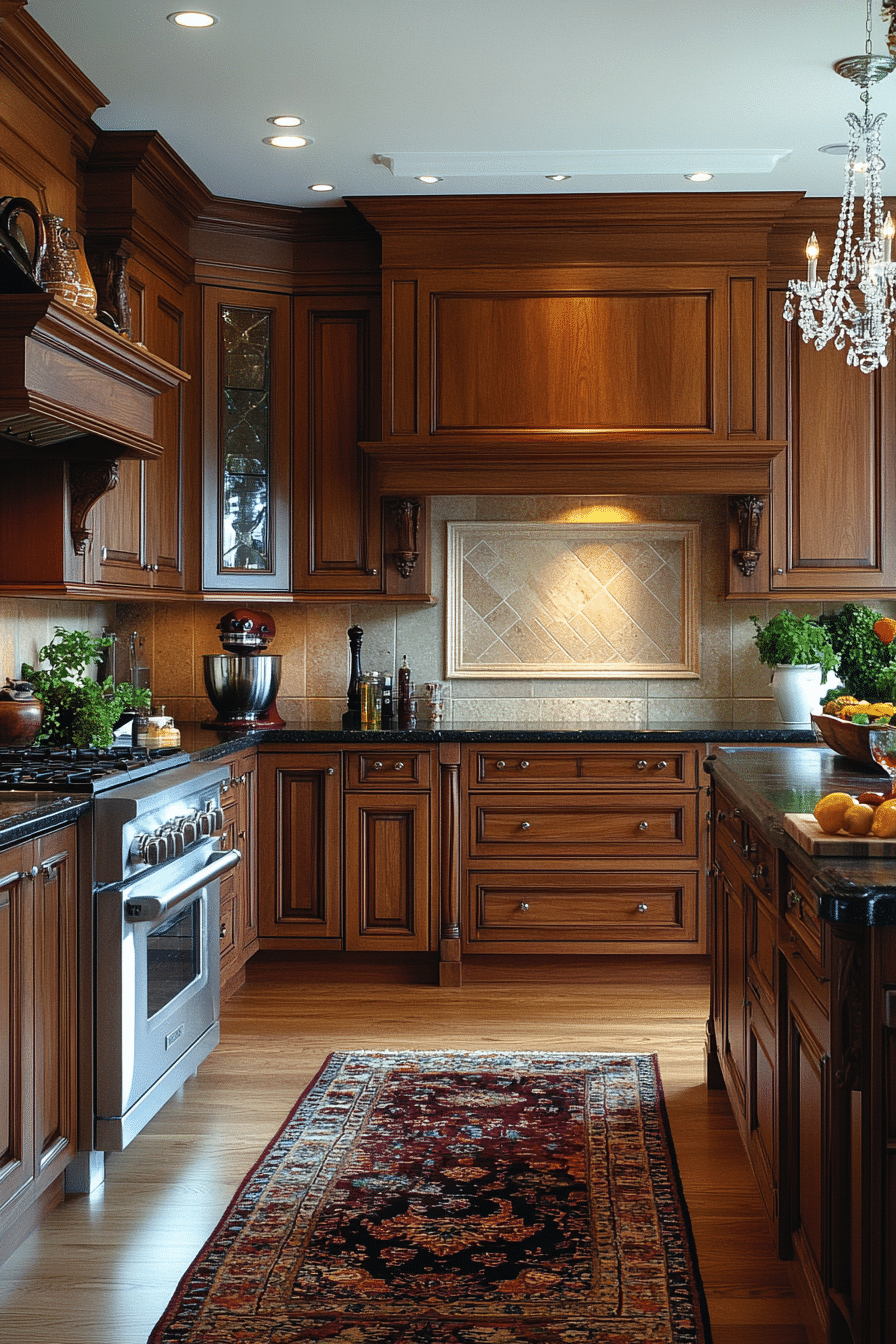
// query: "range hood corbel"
[[71, 387]]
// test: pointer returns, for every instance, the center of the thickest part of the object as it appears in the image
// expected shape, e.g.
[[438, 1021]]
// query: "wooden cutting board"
[[809, 835]]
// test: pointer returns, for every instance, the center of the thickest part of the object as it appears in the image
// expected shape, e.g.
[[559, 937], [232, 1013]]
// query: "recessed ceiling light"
[[558, 177], [699, 177], [321, 186], [428, 178], [283, 120], [288, 141], [192, 18], [833, 149]]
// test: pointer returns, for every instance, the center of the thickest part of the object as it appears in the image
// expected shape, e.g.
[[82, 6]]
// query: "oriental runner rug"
[[450, 1197]]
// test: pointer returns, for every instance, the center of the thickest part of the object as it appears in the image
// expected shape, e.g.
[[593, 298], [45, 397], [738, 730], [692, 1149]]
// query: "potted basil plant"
[[78, 710], [800, 652]]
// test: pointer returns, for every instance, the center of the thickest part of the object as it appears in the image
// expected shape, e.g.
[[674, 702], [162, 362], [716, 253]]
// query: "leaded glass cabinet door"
[[246, 542]]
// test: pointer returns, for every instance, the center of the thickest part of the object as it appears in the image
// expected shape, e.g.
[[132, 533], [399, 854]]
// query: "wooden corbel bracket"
[[88, 482], [749, 515], [406, 513]]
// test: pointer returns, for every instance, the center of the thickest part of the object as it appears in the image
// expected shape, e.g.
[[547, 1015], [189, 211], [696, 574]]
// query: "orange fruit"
[[885, 629], [831, 809], [858, 819]]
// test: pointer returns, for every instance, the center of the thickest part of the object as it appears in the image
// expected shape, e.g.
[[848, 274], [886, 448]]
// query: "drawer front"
[[632, 767], [804, 928], [547, 909], [387, 769], [575, 825], [737, 840]]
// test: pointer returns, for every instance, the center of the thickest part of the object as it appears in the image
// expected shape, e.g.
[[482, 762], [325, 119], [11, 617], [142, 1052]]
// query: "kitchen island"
[[802, 1031]]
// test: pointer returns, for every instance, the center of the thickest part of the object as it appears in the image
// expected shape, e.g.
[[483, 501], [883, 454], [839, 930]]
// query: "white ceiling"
[[582, 79]]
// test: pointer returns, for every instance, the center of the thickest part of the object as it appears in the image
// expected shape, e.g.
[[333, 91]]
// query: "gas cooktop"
[[82, 769]]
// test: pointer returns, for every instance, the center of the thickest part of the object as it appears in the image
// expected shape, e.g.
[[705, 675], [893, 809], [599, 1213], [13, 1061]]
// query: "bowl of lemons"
[[845, 725]]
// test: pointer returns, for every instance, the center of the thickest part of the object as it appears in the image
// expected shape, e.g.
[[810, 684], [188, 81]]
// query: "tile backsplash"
[[731, 690]]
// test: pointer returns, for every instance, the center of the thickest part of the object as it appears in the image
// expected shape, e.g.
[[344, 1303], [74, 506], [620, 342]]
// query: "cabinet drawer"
[[804, 928], [574, 825], [385, 769], [557, 908], [633, 767], [738, 841]]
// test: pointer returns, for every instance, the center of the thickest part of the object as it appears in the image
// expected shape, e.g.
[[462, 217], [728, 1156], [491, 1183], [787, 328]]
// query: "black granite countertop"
[[24, 815], [207, 744], [773, 780]]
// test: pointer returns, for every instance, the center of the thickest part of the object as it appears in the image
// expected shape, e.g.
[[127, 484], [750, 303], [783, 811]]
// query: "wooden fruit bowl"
[[846, 738]]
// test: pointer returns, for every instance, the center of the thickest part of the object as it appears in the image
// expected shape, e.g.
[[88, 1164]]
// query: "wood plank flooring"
[[101, 1268]]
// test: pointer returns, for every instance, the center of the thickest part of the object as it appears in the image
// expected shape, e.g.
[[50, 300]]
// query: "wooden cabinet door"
[[299, 849], [245, 783], [806, 1182], [337, 544], [833, 514], [54, 896], [388, 872], [16, 1028], [733, 1046]]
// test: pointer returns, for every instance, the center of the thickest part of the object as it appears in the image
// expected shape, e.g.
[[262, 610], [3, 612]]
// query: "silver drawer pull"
[[377, 765], [500, 765], [524, 765], [331, 770], [524, 905], [399, 765], [642, 765], [642, 825], [661, 765], [525, 825], [642, 909]]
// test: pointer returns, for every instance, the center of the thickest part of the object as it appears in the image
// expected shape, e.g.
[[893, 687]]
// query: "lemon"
[[884, 824], [831, 809], [858, 819]]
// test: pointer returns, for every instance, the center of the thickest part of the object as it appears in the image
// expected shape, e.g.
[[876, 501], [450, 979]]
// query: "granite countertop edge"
[[26, 815]]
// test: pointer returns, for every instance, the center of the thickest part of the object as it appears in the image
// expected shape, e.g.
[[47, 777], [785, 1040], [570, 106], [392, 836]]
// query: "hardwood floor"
[[102, 1267]]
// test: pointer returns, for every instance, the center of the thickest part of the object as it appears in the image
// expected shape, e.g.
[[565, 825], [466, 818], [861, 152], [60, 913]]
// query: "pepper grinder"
[[351, 719], [404, 694]]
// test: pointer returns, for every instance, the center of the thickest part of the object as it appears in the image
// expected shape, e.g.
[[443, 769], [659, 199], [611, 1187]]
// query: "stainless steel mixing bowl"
[[241, 688]]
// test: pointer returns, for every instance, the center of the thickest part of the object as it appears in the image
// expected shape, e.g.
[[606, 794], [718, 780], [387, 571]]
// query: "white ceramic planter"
[[798, 688]]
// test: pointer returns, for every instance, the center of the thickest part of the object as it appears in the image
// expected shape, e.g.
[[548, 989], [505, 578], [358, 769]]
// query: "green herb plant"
[[794, 640], [78, 710], [867, 667]]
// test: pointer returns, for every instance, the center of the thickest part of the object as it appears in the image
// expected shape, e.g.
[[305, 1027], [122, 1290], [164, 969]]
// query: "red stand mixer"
[[242, 683]]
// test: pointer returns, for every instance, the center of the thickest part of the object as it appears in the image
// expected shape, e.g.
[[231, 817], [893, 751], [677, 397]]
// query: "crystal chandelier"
[[857, 301]]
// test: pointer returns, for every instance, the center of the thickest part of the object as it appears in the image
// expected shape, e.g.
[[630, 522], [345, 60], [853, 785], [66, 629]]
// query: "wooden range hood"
[[71, 387], [585, 344]]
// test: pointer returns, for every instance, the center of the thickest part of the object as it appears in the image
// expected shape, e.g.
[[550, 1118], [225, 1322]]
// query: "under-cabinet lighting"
[[428, 178], [321, 186], [284, 120], [192, 18], [699, 177], [288, 141], [558, 177]]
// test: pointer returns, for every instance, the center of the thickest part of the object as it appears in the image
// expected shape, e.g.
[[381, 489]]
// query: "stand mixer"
[[242, 683]]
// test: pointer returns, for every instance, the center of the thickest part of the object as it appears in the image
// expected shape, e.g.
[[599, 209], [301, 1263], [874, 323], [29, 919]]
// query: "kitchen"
[[190, 258]]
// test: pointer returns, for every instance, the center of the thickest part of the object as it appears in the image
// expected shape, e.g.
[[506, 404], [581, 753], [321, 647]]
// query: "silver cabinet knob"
[[33, 872], [500, 765], [642, 909], [661, 765], [524, 765], [642, 765], [330, 770], [399, 765], [525, 825], [377, 765], [223, 933], [524, 905], [642, 825]]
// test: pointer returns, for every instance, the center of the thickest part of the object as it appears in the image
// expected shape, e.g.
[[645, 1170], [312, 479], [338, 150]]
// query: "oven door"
[[157, 989]]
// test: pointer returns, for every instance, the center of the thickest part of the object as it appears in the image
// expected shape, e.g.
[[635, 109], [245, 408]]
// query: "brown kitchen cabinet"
[[347, 849], [238, 932], [570, 849], [38, 1027], [139, 533]]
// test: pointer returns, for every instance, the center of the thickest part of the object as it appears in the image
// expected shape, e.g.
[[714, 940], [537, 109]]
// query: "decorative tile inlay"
[[571, 600]]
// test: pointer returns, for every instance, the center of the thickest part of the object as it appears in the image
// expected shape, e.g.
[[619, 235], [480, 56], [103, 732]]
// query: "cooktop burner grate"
[[82, 769]]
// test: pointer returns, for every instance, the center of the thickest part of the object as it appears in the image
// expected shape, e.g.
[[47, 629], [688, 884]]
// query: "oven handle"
[[144, 909]]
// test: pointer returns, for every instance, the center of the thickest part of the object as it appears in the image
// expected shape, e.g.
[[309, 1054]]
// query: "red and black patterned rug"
[[449, 1197]]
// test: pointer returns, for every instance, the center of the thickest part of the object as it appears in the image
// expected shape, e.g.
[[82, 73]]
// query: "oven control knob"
[[204, 823], [155, 849], [175, 839], [217, 816], [189, 829]]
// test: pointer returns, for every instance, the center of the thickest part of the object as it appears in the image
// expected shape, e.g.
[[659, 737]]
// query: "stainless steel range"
[[158, 861]]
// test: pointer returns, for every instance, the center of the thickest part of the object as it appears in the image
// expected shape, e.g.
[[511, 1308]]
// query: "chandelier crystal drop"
[[857, 301]]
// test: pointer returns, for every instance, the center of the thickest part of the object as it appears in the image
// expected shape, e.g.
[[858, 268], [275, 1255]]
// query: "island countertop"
[[770, 781]]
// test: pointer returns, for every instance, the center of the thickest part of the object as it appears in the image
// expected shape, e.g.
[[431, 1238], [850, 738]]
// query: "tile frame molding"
[[685, 666]]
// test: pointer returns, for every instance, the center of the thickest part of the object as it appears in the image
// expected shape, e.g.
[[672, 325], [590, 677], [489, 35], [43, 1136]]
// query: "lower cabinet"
[[803, 1036], [239, 888], [38, 1027]]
